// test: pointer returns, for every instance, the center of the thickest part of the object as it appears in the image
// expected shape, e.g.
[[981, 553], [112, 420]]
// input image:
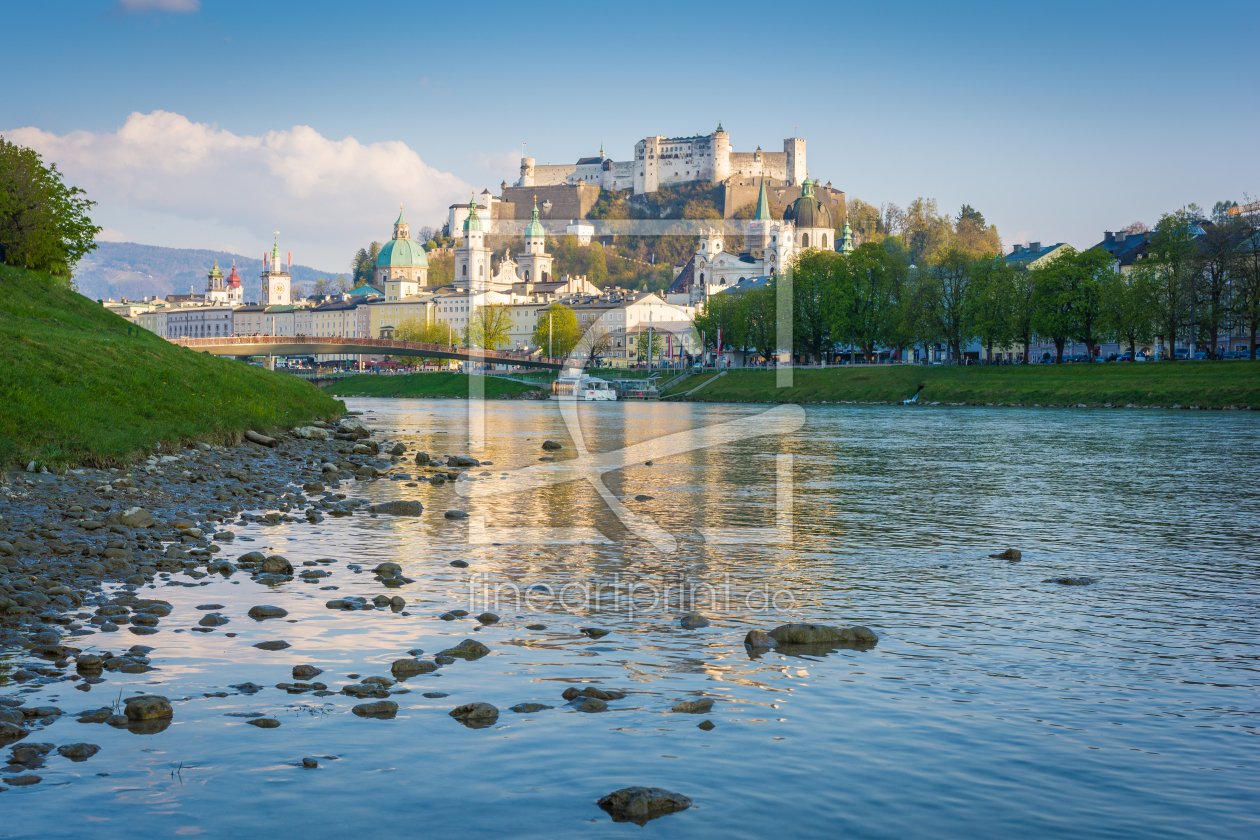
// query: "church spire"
[[473, 222], [763, 203]]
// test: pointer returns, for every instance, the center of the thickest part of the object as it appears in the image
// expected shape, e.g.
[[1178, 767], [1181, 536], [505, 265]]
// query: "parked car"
[[1181, 354], [1200, 356], [1126, 356]]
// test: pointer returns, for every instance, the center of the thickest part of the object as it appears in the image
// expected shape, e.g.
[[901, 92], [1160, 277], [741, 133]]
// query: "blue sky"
[[1055, 120]]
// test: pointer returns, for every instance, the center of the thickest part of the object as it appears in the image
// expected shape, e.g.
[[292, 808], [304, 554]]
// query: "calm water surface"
[[995, 705]]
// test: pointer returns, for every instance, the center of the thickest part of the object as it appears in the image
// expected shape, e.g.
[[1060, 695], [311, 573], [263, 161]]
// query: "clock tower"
[[276, 283]]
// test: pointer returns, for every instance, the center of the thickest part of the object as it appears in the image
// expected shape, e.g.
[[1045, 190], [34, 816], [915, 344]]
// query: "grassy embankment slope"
[[1141, 383], [82, 385], [422, 385]]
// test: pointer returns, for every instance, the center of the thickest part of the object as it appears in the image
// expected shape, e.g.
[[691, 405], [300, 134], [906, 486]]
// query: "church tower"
[[535, 262], [215, 290], [276, 284], [472, 259], [758, 228]]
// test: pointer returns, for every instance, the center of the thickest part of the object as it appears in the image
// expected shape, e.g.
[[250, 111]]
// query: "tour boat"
[[581, 387]]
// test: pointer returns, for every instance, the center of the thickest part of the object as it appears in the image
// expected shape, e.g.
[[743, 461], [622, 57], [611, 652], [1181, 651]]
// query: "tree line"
[[1195, 279]]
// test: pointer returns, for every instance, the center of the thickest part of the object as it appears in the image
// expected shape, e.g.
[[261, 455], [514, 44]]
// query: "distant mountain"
[[125, 269]]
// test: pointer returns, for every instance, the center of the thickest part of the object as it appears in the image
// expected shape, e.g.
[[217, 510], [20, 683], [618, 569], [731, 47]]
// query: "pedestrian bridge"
[[307, 345]]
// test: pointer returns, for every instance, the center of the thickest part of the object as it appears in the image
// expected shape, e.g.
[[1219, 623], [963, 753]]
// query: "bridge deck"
[[307, 345]]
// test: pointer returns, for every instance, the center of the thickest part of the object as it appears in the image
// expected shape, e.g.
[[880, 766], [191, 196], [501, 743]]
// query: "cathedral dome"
[[807, 211], [534, 230], [402, 253]]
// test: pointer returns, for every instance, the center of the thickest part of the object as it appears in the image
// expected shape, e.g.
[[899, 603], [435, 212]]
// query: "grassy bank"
[[422, 385], [1142, 383], [82, 385]]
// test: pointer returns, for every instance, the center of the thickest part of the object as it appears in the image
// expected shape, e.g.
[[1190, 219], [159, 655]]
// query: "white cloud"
[[139, 6], [501, 166], [111, 235], [326, 197]]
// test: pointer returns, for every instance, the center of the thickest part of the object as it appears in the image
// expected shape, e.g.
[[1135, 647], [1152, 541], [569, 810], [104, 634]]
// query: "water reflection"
[[993, 705]]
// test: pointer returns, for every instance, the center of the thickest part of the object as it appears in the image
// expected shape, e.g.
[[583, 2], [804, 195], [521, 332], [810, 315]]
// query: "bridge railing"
[[382, 345]]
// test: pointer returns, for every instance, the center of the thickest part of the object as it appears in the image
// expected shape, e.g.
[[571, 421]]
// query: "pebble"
[[309, 762]]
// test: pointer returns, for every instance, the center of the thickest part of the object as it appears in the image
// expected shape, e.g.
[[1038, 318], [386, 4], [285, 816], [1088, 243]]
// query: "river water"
[[994, 704]]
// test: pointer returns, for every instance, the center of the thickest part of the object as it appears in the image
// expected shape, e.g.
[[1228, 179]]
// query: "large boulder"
[[399, 507], [277, 565], [310, 433], [10, 733], [461, 461], [354, 426], [267, 611], [403, 668], [148, 707], [551, 445], [759, 640], [469, 649], [379, 709], [475, 713], [640, 804], [818, 634]]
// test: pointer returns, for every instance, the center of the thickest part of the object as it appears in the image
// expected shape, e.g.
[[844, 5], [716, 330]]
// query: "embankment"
[[82, 385], [424, 385], [1205, 384]]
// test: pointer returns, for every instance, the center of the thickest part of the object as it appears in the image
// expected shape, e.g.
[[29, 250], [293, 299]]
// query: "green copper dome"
[[534, 230], [402, 253], [216, 271], [807, 211], [473, 222]]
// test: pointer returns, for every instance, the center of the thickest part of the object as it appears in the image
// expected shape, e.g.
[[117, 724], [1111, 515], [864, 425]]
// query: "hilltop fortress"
[[660, 161], [569, 191]]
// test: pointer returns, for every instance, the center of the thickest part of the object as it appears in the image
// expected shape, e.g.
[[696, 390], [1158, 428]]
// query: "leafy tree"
[[44, 224], [644, 353], [342, 283], [862, 302], [1220, 211], [363, 266], [925, 230], [865, 221], [1126, 307], [952, 275], [1215, 259], [441, 269], [1023, 308], [557, 331], [319, 287], [489, 327], [991, 303], [1245, 299], [1171, 250], [594, 344], [761, 325], [813, 289], [597, 266], [1052, 305], [416, 329], [919, 319], [721, 311], [1087, 271]]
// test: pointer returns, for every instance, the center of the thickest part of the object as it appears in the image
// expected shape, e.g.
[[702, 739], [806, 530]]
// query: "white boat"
[[582, 387]]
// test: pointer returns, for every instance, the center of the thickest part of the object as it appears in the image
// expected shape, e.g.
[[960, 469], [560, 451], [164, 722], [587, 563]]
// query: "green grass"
[[422, 385], [694, 381], [82, 385], [1142, 383]]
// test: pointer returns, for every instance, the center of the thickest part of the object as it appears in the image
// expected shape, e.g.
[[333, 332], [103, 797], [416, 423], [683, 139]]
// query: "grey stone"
[[147, 707], [469, 649], [264, 722], [267, 611], [1011, 554], [813, 634], [78, 752], [403, 668], [379, 709], [277, 565], [310, 762], [694, 707], [273, 645], [759, 640], [526, 708], [640, 804], [400, 507], [1071, 581], [551, 445], [693, 621], [306, 672]]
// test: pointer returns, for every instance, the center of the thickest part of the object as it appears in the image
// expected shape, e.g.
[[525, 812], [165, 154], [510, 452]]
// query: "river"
[[994, 705]]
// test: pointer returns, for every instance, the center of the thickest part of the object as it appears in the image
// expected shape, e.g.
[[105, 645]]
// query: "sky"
[[213, 123]]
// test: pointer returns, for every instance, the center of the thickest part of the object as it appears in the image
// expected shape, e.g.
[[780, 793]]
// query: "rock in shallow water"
[[264, 723], [379, 709], [469, 649], [78, 752], [640, 804], [306, 672], [694, 707], [1012, 554], [475, 715], [267, 611], [693, 621], [403, 668], [813, 634], [400, 507], [526, 708], [1071, 581], [273, 645], [147, 707]]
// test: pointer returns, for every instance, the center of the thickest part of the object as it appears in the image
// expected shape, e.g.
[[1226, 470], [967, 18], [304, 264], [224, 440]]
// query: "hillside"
[[126, 269], [82, 385]]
